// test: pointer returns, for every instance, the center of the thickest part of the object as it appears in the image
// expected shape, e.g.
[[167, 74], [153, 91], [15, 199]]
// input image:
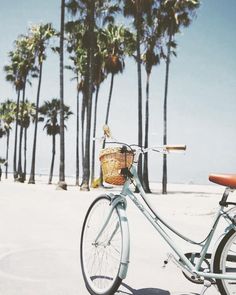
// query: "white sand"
[[40, 235]]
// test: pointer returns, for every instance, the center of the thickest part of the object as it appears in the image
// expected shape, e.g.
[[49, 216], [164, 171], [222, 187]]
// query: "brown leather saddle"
[[228, 180]]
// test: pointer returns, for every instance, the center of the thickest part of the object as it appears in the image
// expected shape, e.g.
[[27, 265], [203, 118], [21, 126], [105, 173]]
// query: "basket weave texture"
[[112, 161]]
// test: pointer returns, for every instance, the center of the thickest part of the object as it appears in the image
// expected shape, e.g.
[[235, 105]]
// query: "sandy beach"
[[40, 236]]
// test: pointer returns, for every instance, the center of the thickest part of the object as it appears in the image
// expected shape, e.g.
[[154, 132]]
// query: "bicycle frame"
[[118, 202], [185, 262]]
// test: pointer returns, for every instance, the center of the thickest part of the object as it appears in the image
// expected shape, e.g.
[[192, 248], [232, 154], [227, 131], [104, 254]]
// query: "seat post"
[[223, 201]]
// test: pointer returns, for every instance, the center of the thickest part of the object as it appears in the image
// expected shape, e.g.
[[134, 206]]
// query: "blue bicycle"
[[105, 241]]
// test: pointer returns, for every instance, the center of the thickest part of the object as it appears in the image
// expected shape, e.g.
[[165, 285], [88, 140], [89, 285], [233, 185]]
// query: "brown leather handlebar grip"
[[175, 147]]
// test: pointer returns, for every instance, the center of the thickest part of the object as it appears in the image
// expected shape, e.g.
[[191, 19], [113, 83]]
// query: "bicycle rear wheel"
[[101, 259], [225, 263]]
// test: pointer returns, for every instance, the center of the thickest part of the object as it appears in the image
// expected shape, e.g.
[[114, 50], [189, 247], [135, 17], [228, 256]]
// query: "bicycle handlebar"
[[165, 149], [142, 150]]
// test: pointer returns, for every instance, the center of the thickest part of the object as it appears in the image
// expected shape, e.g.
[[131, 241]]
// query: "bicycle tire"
[[101, 279], [225, 261]]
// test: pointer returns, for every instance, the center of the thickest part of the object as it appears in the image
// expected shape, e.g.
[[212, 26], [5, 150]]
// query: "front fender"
[[120, 203], [125, 241]]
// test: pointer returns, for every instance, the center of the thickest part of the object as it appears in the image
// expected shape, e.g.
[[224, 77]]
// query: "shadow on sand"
[[145, 291]]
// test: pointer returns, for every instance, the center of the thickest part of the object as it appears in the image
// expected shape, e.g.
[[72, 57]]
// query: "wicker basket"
[[112, 161]]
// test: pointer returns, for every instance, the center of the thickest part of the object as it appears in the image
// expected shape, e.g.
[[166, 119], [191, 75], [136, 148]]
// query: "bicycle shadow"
[[144, 291], [147, 291]]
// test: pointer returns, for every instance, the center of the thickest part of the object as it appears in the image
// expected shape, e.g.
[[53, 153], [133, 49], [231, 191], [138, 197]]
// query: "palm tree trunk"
[[20, 172], [32, 172], [7, 151], [106, 120], [53, 158], [140, 118], [109, 99], [164, 173], [94, 134], [25, 152], [77, 139], [145, 165], [108, 106], [16, 136], [62, 183], [20, 154], [83, 111], [89, 93]]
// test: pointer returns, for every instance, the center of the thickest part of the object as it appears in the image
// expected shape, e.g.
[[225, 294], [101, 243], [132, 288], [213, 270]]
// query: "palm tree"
[[14, 76], [79, 45], [26, 68], [51, 110], [173, 15], [150, 59], [39, 40], [20, 116], [62, 183], [153, 52], [99, 77], [27, 114], [81, 63], [22, 60], [113, 37], [7, 116], [77, 54], [89, 79], [136, 9], [92, 14], [116, 42]]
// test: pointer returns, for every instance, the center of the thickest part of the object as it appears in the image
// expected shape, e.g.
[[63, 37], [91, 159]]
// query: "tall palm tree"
[[173, 15], [93, 15], [50, 110], [150, 58], [21, 176], [89, 79], [82, 58], [113, 37], [28, 117], [153, 52], [7, 116], [27, 114], [116, 42], [137, 9], [22, 60], [40, 36], [14, 76], [99, 77], [80, 45], [62, 184], [77, 54]]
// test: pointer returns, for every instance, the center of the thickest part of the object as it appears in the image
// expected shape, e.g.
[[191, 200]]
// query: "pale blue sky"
[[201, 101]]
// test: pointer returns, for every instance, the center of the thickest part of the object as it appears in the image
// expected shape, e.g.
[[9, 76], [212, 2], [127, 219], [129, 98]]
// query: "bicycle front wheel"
[[225, 263], [101, 258]]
